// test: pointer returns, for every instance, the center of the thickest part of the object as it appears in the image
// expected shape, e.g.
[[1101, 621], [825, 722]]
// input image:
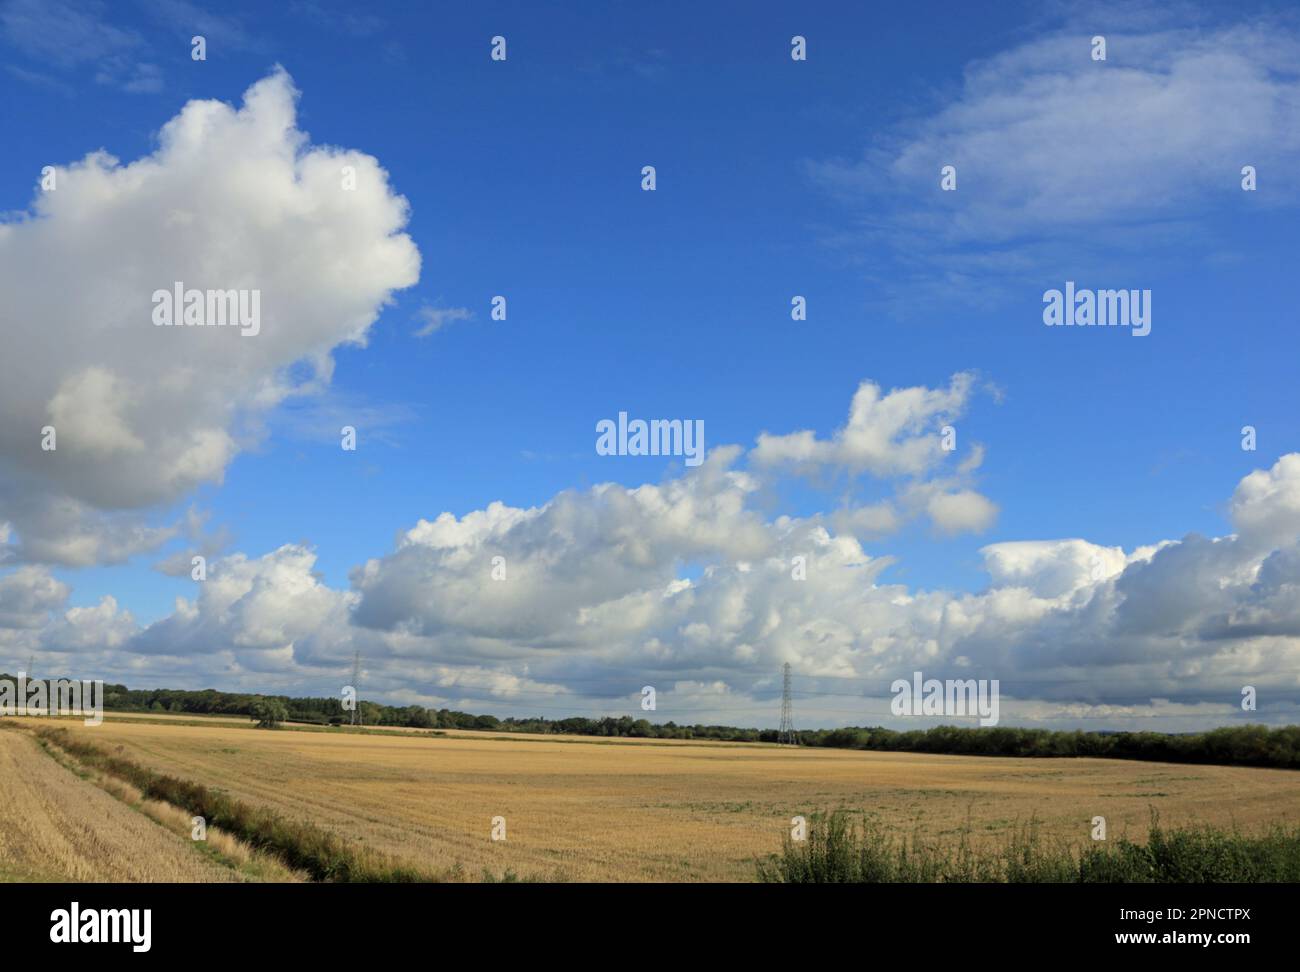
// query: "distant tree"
[[269, 713]]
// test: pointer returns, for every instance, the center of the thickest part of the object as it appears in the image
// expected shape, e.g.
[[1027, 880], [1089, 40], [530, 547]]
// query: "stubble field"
[[55, 826], [649, 810]]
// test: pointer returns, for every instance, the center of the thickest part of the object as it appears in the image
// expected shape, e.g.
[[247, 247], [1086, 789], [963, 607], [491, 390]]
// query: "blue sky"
[[775, 178]]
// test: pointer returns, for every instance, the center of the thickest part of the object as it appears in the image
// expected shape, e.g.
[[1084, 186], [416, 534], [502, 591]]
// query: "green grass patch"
[[848, 848]]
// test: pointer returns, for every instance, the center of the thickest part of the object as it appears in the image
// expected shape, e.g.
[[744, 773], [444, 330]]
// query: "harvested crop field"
[[592, 809], [55, 826]]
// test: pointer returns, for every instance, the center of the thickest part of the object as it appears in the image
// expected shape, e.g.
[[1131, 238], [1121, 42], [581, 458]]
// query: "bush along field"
[[846, 848]]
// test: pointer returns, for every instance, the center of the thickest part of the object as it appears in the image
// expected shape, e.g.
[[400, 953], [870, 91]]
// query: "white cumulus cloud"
[[144, 414]]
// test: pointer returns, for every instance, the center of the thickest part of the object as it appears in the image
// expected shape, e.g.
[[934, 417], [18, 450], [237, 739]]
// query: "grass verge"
[[299, 844], [843, 847]]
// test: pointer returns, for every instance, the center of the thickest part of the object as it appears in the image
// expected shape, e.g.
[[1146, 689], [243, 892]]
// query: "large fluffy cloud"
[[1061, 620], [233, 198], [574, 605]]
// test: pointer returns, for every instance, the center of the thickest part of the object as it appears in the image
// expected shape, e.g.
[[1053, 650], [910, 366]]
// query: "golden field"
[[55, 826], [652, 810]]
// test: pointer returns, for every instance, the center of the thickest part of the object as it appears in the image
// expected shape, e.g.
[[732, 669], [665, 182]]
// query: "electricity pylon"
[[786, 735]]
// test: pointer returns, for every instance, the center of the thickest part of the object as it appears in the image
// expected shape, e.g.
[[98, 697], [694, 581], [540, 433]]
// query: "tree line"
[[1249, 745]]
